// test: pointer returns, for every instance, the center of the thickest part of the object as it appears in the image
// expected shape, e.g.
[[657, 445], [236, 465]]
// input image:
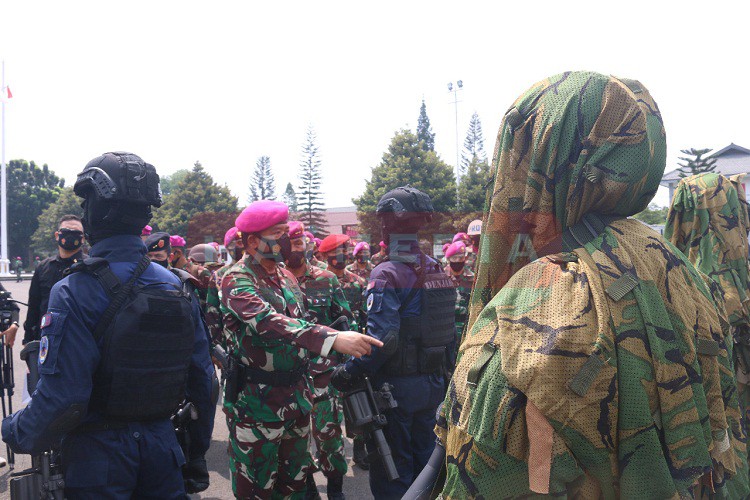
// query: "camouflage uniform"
[[319, 263], [362, 273], [708, 223], [463, 283], [377, 259], [326, 302], [269, 426], [604, 371], [354, 290], [213, 315]]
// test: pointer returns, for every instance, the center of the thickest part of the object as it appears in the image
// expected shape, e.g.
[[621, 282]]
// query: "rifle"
[[363, 411], [7, 382]]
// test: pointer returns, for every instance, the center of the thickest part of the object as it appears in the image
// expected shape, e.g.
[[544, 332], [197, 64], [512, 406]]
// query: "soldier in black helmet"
[[410, 305], [122, 345]]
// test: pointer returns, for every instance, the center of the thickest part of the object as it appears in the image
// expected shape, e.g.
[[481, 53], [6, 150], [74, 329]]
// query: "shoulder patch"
[[43, 349], [46, 321], [370, 300]]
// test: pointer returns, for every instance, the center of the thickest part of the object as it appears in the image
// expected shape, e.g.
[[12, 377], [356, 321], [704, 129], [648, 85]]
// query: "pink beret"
[[445, 247], [230, 236], [455, 248], [317, 241], [296, 230], [146, 230], [361, 246], [382, 244], [177, 241], [333, 241], [310, 236], [260, 215], [460, 237]]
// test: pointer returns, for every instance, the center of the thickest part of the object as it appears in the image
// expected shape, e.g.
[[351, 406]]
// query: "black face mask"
[[457, 266], [69, 239], [162, 263], [277, 250], [296, 259], [363, 258], [340, 259]]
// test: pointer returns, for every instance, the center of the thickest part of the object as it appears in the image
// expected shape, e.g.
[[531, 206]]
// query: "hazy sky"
[[226, 82]]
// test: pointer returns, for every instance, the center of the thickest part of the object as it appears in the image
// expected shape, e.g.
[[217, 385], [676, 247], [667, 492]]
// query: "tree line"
[[37, 198]]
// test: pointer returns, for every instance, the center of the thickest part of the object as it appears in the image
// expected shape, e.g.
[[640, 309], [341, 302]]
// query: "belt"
[[276, 378]]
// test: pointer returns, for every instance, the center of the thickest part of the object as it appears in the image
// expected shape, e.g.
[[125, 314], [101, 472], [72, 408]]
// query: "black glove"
[[195, 475], [343, 380]]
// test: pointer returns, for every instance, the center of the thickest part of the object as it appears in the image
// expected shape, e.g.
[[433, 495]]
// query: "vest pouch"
[[432, 359]]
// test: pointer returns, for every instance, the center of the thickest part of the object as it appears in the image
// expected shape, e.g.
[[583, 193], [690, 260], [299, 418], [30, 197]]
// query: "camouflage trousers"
[[269, 459], [326, 419]]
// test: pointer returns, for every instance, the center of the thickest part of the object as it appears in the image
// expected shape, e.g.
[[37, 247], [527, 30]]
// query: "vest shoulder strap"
[[99, 269]]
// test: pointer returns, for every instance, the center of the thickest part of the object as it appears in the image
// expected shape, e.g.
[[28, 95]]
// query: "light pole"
[[459, 85]]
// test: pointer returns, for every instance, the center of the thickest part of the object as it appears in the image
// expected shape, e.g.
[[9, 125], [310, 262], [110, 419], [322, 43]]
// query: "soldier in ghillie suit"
[[262, 306], [602, 368], [708, 222], [325, 302]]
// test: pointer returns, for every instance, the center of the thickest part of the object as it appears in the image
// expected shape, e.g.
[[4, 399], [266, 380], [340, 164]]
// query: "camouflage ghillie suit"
[[354, 290], [709, 223], [326, 302], [269, 426], [362, 273], [603, 369], [463, 283]]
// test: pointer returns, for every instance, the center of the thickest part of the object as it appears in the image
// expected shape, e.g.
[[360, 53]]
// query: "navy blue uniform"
[[410, 428], [140, 460]]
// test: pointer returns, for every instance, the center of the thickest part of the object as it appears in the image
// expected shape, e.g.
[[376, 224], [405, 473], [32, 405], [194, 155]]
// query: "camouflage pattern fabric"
[[213, 309], [262, 316], [326, 302], [354, 288], [708, 222], [471, 261], [319, 263], [269, 460], [705, 223], [463, 283], [604, 371], [377, 259], [364, 272]]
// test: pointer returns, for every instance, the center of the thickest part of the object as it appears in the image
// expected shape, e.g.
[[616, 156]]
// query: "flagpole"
[[4, 262]]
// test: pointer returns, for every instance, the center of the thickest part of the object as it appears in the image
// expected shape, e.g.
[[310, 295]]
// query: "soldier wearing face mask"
[[361, 265], [463, 279], [69, 237], [158, 249]]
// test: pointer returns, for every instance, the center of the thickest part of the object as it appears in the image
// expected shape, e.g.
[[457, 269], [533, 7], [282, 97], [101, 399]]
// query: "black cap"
[[158, 241]]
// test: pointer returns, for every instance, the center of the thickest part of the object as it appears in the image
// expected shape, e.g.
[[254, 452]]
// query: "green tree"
[[196, 193], [43, 243], [406, 162], [31, 189], [472, 188], [424, 131], [654, 215], [168, 182], [262, 183], [290, 198], [473, 149], [698, 164], [310, 197]]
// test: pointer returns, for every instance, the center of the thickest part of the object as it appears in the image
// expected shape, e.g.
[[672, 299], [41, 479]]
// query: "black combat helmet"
[[119, 190], [405, 205]]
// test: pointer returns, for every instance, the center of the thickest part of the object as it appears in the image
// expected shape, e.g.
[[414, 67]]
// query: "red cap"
[[296, 230], [177, 241], [333, 241], [455, 249], [230, 236], [260, 215]]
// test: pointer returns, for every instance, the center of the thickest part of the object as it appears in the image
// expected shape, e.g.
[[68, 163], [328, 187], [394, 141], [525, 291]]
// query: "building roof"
[[730, 160]]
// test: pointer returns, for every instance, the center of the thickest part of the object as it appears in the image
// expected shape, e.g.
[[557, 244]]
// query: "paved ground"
[[355, 485]]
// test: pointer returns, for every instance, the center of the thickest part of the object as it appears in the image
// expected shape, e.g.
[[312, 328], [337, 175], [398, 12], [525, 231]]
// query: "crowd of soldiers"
[[560, 348]]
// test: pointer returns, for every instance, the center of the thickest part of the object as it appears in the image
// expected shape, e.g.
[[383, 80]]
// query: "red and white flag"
[[6, 94]]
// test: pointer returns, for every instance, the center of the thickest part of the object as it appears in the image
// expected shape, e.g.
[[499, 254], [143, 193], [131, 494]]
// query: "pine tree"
[[310, 197], [696, 165], [473, 186], [262, 183], [424, 131], [473, 149], [290, 198]]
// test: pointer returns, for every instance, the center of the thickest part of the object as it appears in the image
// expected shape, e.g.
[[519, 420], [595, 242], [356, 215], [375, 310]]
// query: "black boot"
[[335, 487], [312, 489], [360, 454]]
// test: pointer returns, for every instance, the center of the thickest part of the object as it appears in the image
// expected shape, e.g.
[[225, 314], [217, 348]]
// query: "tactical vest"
[[425, 341], [148, 336]]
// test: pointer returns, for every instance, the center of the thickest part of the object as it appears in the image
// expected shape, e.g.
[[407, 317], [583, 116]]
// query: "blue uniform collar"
[[120, 248]]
